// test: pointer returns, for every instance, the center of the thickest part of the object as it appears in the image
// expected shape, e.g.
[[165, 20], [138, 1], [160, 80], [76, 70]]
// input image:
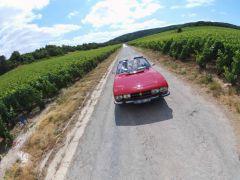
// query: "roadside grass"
[[17, 172], [206, 82], [238, 107], [52, 127], [190, 71], [216, 88], [206, 79]]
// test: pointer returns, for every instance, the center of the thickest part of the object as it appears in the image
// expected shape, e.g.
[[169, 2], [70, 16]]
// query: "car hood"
[[138, 82]]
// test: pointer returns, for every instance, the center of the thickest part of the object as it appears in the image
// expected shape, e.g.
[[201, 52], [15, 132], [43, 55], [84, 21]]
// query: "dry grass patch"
[[206, 79], [51, 126], [238, 107], [215, 88], [17, 172]]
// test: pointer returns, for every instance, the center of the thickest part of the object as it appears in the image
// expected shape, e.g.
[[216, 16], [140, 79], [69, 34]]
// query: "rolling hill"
[[143, 33]]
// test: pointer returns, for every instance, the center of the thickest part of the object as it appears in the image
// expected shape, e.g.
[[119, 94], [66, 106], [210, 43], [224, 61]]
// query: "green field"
[[226, 35], [29, 86], [207, 45], [26, 74]]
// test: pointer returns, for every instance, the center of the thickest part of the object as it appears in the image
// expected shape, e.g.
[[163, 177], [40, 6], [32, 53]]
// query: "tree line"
[[147, 32], [48, 51]]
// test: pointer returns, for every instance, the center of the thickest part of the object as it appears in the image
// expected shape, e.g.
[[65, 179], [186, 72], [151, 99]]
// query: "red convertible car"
[[137, 82]]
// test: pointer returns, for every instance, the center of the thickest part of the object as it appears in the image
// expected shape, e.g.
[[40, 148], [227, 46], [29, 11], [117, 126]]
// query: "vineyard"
[[30, 86], [215, 46]]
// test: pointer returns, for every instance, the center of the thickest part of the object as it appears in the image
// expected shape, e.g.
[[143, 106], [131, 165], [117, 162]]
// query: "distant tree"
[[2, 58], [3, 65], [179, 30], [54, 50], [93, 45], [40, 53], [15, 57], [67, 48], [27, 58], [85, 46]]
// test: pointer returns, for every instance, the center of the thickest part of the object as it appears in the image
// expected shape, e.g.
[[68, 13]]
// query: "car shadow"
[[134, 115]]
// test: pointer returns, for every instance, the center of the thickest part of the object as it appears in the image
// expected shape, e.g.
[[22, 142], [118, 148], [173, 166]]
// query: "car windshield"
[[132, 66]]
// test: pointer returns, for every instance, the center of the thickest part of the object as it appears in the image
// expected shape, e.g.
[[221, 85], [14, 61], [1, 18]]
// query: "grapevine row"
[[207, 45], [30, 86]]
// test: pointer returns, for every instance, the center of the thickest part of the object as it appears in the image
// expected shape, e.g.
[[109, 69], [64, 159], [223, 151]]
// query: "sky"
[[26, 25]]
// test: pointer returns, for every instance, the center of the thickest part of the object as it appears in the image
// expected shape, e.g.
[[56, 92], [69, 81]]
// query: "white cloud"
[[24, 4], [176, 7], [72, 14], [152, 23], [58, 29], [190, 15], [197, 3], [29, 37], [120, 17], [104, 36], [193, 4], [115, 12], [101, 36], [17, 32]]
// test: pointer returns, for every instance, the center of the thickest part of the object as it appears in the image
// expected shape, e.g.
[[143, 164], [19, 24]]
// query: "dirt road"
[[183, 136]]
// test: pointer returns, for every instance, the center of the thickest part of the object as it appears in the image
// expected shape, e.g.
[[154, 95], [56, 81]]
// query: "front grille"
[[141, 95]]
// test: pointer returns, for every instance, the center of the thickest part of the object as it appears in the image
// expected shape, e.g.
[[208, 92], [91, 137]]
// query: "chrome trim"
[[115, 102], [146, 99], [166, 94]]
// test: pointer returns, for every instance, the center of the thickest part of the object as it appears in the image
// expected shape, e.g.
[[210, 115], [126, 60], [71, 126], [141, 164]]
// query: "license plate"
[[142, 101]]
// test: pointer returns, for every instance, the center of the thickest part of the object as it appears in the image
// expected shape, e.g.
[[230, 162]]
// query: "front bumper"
[[143, 100]]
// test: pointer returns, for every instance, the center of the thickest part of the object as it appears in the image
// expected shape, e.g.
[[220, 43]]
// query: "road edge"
[[61, 162]]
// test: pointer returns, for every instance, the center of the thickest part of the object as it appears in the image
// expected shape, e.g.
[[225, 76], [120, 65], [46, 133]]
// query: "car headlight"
[[127, 96], [155, 91], [163, 89], [118, 98]]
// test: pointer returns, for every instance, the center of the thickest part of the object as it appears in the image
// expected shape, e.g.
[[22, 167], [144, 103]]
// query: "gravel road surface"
[[183, 136]]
